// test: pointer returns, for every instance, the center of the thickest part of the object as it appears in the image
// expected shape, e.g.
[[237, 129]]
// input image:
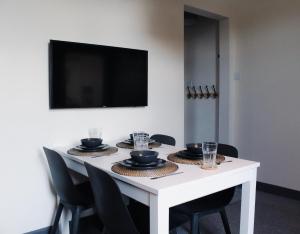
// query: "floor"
[[273, 215]]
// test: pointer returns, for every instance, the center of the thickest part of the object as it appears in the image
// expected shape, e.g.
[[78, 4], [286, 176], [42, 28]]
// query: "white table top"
[[192, 173]]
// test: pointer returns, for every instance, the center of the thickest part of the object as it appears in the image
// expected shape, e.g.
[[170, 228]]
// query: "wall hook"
[[207, 94], [195, 94], [201, 94], [215, 94], [189, 94]]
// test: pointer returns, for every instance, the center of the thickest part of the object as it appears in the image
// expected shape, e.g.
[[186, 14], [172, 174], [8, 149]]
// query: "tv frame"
[[50, 63]]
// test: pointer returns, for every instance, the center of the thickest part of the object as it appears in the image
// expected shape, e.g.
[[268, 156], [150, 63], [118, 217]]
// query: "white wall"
[[264, 58], [27, 201], [200, 51], [268, 113], [264, 118]]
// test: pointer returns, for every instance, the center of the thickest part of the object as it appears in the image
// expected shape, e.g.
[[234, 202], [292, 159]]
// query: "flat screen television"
[[86, 75]]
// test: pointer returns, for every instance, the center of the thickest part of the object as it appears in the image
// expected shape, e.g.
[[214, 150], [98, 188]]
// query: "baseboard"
[[277, 190], [45, 230]]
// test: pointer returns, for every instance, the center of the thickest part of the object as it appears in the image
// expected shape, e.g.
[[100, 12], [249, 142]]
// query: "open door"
[[201, 68]]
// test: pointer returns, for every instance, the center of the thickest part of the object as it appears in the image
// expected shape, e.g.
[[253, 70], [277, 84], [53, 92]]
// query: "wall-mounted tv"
[[86, 75]]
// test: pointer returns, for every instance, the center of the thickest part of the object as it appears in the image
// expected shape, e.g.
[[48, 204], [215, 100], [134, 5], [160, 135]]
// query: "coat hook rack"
[[201, 94], [189, 94], [195, 94], [207, 94], [215, 94]]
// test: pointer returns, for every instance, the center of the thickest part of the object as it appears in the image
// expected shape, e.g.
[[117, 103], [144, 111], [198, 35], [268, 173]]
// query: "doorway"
[[201, 72]]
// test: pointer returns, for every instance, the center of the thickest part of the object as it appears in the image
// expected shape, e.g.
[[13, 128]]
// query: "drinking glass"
[[95, 133], [209, 150], [141, 140]]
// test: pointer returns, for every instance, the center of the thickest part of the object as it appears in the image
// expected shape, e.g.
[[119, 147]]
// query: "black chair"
[[112, 211], [109, 203], [212, 203], [77, 198], [164, 139]]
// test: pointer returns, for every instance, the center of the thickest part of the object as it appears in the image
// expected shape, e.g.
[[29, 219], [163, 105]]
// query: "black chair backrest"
[[164, 139], [61, 178], [109, 203], [225, 196], [228, 150]]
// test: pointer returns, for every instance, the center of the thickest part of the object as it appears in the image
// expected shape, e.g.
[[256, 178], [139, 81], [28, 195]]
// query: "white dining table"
[[193, 183]]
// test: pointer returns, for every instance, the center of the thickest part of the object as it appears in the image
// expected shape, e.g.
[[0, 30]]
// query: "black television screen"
[[85, 75]]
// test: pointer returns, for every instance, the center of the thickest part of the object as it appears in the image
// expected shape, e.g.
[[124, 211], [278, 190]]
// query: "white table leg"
[[248, 205], [159, 215]]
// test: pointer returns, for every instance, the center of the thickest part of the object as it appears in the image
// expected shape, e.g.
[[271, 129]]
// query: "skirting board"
[[45, 230], [277, 190]]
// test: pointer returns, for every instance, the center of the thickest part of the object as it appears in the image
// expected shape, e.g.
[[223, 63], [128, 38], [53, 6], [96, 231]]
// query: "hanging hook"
[[215, 94], [189, 94], [195, 94], [207, 94], [201, 94]]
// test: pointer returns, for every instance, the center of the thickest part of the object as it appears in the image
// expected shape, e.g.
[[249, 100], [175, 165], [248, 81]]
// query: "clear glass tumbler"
[[209, 155], [141, 140], [95, 133]]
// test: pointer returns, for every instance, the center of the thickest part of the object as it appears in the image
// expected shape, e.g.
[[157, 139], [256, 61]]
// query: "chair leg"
[[56, 219], [75, 219], [225, 221], [195, 224]]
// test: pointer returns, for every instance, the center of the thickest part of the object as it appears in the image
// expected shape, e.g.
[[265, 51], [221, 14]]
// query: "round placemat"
[[127, 146], [167, 169], [109, 151], [174, 158]]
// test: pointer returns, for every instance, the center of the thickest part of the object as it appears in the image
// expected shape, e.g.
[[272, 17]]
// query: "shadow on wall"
[[44, 164], [162, 22]]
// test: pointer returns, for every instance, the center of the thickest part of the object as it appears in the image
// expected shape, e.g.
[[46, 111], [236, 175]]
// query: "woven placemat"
[[174, 158], [109, 151], [167, 169], [127, 146]]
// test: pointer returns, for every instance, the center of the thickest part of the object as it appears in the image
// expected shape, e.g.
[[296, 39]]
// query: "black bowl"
[[144, 156], [91, 142], [195, 148]]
